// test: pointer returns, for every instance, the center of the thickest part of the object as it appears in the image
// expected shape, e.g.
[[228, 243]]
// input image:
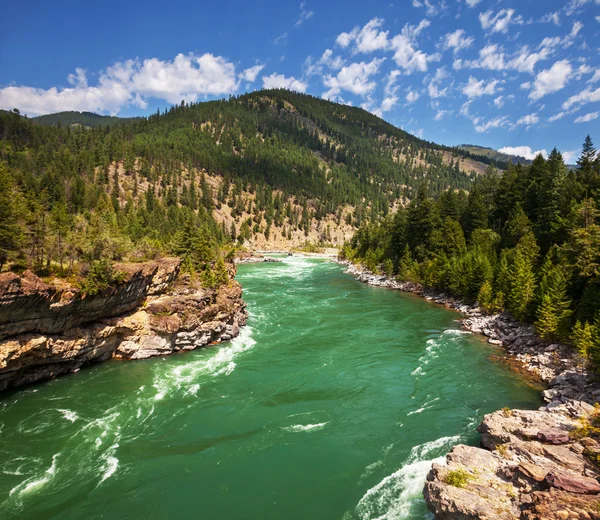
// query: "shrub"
[[458, 478]]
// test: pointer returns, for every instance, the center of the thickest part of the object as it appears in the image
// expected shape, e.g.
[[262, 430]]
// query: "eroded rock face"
[[27, 304], [150, 314], [530, 468]]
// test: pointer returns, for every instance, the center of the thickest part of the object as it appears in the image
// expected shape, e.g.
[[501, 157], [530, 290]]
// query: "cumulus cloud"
[[406, 53], [523, 151], [326, 61], [412, 96], [434, 87], [368, 39], [457, 41], [588, 117], [551, 80], [250, 74], [354, 78], [187, 77], [528, 120], [493, 57], [498, 22], [280, 81], [480, 88]]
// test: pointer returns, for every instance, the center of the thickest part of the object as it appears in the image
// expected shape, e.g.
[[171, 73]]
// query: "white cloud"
[[406, 54], [570, 156], [528, 120], [188, 77], [281, 39], [556, 117], [354, 78], [412, 96], [523, 151], [457, 41], [551, 80], [596, 77], [251, 73], [583, 98], [305, 14], [588, 117], [476, 88], [434, 87], [280, 81], [499, 102], [327, 60], [498, 22], [440, 115], [368, 39], [431, 7], [577, 26], [552, 17], [472, 3], [481, 127]]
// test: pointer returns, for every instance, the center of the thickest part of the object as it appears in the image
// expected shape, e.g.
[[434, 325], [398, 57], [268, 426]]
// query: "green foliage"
[[458, 478], [100, 276]]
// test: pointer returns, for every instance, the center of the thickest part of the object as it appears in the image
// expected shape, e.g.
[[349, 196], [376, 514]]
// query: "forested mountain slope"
[[271, 167]]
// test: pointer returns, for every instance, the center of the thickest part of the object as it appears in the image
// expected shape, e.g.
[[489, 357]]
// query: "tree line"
[[526, 241]]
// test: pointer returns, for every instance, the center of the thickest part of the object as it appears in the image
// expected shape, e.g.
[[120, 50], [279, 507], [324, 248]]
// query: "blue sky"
[[522, 75]]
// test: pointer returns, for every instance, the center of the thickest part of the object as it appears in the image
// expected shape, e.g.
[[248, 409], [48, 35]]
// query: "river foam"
[[395, 496]]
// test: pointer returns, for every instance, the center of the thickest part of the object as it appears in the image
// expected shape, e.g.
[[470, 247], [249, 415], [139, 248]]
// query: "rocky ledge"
[[533, 465], [47, 329]]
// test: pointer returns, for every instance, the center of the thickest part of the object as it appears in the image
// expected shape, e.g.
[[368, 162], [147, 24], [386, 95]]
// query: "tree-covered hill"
[[270, 166]]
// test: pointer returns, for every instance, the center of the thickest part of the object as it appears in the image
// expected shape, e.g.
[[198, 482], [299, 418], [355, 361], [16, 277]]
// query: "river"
[[330, 405]]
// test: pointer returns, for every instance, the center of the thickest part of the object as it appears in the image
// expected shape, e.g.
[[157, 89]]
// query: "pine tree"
[[522, 286], [10, 233], [584, 339], [554, 312]]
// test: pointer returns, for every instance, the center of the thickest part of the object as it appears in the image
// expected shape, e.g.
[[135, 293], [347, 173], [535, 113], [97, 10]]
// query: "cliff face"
[[47, 330]]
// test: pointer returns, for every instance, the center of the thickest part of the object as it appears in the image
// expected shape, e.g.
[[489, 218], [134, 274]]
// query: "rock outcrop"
[[531, 466], [47, 330]]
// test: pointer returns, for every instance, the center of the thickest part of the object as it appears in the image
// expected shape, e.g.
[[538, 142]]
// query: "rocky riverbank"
[[49, 329], [253, 258], [532, 465]]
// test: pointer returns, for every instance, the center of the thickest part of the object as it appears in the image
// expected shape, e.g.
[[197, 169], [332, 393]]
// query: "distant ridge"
[[492, 154]]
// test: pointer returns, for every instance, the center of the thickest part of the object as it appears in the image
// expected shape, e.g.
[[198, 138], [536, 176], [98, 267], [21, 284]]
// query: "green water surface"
[[330, 405]]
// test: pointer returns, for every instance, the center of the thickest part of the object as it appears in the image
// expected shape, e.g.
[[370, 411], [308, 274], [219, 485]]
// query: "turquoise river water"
[[331, 404]]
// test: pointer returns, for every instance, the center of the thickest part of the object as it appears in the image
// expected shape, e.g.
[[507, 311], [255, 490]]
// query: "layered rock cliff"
[[533, 465], [51, 329]]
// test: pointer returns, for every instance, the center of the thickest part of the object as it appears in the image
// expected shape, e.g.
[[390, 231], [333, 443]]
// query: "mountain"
[[73, 118], [271, 169], [492, 154]]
